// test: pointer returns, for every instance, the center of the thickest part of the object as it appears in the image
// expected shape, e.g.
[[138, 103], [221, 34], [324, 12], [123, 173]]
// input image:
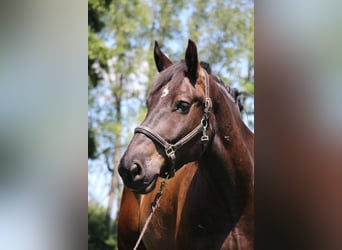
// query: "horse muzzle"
[[139, 172]]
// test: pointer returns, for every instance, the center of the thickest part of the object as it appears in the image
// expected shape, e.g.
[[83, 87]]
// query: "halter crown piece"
[[170, 149]]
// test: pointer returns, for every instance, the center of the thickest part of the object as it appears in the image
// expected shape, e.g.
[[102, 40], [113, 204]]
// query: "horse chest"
[[204, 225], [198, 221]]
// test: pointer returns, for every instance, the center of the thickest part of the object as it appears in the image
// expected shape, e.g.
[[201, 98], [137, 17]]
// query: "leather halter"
[[170, 149]]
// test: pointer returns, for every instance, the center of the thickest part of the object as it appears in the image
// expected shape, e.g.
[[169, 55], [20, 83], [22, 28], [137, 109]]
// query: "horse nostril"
[[136, 172]]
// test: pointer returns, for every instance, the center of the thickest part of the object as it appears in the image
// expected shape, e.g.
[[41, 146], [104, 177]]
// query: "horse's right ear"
[[191, 60], [161, 60]]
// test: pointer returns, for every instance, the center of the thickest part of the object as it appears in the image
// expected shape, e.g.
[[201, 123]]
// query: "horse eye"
[[182, 107]]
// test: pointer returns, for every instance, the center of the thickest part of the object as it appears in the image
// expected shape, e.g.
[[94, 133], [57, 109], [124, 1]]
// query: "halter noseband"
[[170, 149]]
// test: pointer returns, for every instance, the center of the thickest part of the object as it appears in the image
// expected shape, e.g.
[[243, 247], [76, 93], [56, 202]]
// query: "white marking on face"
[[165, 91]]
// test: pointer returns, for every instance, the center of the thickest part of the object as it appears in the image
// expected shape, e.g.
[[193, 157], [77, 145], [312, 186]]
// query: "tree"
[[113, 59]]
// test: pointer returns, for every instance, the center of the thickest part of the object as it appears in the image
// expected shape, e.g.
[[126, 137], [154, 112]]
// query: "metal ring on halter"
[[204, 123]]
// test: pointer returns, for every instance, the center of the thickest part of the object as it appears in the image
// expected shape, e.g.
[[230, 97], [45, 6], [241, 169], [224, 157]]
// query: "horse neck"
[[228, 162]]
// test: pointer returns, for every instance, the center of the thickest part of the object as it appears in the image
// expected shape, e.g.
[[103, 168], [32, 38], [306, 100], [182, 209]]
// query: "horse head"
[[176, 129]]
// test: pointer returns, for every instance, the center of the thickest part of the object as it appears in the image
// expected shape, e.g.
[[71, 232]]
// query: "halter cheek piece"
[[170, 149]]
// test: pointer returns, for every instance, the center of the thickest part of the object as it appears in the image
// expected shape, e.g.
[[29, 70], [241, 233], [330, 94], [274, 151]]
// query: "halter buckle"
[[170, 152]]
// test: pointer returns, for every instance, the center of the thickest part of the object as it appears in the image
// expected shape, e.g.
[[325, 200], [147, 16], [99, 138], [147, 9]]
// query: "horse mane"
[[233, 92]]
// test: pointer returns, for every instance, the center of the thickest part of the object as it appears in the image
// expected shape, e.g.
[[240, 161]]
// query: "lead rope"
[[154, 206]]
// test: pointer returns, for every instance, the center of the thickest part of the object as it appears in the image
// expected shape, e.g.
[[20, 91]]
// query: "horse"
[[194, 137]]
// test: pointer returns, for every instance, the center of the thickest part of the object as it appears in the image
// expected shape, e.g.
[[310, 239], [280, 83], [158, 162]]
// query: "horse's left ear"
[[191, 60]]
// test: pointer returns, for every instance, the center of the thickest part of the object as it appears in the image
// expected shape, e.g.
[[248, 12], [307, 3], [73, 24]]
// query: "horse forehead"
[[184, 87], [185, 83], [176, 88]]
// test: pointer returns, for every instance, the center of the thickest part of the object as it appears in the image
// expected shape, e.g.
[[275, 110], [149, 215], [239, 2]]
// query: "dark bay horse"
[[194, 135]]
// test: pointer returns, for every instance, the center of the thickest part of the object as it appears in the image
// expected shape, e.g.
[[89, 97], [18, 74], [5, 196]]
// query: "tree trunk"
[[114, 186]]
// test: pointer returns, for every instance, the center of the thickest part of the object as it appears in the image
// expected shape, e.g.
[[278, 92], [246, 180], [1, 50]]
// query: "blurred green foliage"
[[100, 236], [91, 144], [97, 51]]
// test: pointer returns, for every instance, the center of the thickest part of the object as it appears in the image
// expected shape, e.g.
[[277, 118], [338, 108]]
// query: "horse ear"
[[161, 60], [191, 60]]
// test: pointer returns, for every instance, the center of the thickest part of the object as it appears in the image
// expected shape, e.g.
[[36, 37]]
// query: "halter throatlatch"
[[170, 149]]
